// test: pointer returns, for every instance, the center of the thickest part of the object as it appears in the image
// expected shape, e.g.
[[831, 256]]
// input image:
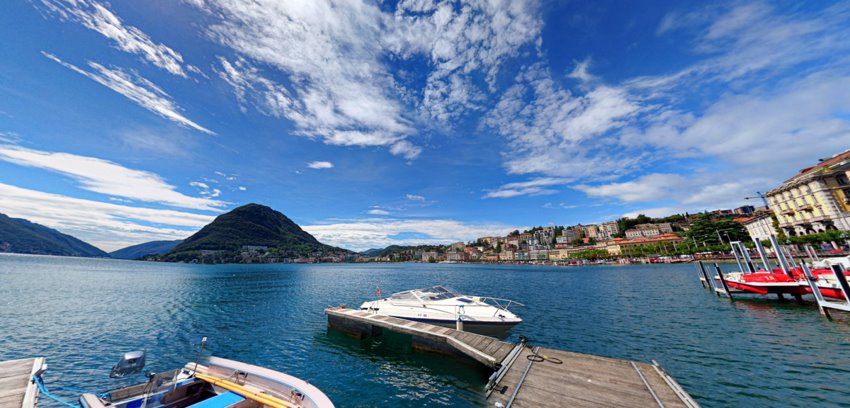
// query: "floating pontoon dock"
[[531, 376], [17, 389]]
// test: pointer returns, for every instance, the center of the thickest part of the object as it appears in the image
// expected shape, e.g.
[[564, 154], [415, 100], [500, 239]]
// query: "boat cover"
[[219, 401]]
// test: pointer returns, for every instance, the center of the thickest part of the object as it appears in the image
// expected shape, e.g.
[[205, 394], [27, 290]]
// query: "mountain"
[[372, 252], [23, 237], [147, 248], [248, 234]]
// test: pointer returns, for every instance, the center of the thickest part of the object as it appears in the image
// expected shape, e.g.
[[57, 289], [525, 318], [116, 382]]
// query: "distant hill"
[[147, 248], [251, 233], [23, 237], [372, 252]]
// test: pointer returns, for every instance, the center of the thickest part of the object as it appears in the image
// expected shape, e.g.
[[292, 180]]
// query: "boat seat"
[[219, 401]]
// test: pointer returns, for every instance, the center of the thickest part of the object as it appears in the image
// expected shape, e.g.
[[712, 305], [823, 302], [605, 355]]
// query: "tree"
[[704, 229], [498, 247]]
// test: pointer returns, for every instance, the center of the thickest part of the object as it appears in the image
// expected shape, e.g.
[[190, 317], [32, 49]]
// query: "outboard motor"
[[130, 363]]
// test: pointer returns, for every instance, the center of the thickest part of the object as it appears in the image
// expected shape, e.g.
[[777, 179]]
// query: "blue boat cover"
[[219, 401]]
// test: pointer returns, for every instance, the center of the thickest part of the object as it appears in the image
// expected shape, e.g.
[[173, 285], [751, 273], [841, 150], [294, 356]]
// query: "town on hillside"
[[811, 208]]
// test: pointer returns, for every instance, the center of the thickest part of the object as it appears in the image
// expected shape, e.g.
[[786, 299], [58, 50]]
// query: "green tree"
[[705, 230]]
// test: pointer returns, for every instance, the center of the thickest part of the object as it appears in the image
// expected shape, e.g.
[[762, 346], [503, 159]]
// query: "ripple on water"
[[83, 313]]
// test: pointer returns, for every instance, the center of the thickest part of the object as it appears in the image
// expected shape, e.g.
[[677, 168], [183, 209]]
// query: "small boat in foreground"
[[441, 306], [222, 383]]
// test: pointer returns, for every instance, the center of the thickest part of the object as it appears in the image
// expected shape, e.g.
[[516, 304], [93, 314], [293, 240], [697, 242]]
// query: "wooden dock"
[[527, 376], [17, 389]]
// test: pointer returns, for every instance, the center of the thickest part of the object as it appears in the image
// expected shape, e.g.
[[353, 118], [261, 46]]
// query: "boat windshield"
[[437, 293], [431, 294]]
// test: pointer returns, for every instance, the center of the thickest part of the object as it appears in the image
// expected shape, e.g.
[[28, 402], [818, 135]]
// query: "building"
[[557, 255], [747, 209], [759, 226], [817, 199], [589, 231], [538, 254], [607, 230], [428, 256], [506, 256], [621, 246], [459, 256], [649, 230]]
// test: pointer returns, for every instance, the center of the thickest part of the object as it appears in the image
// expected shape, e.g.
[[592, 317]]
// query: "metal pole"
[[722, 280], [762, 255], [734, 247], [706, 282], [838, 270], [815, 290], [780, 255]]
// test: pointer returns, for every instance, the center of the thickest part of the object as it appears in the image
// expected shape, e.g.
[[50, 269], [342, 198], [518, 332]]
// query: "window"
[[841, 179], [846, 192]]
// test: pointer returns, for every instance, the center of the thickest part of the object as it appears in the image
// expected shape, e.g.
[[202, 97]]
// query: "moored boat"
[[439, 305], [221, 383]]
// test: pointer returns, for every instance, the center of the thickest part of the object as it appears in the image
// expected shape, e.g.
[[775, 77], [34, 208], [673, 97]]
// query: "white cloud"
[[107, 226], [657, 212], [377, 232], [554, 132], [135, 88], [534, 187], [243, 188], [650, 187], [580, 72], [320, 165], [769, 85], [340, 87], [249, 85], [109, 178], [415, 197], [97, 17], [560, 206], [376, 211]]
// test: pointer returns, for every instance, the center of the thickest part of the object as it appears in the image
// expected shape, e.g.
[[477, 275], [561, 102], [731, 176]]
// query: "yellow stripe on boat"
[[264, 399]]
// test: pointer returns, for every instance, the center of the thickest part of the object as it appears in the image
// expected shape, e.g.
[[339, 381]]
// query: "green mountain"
[[147, 248], [24, 237], [248, 234]]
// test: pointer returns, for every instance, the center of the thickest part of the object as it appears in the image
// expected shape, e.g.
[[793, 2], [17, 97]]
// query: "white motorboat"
[[439, 305]]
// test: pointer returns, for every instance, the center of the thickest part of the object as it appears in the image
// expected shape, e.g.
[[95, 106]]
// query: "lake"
[[82, 314]]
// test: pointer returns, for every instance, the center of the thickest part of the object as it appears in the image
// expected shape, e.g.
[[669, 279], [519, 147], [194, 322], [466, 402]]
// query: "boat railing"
[[500, 303]]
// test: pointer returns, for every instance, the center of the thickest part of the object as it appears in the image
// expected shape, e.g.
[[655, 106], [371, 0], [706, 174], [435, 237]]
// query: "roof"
[[838, 158]]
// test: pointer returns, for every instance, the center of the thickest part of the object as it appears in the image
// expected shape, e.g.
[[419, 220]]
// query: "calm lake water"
[[83, 313]]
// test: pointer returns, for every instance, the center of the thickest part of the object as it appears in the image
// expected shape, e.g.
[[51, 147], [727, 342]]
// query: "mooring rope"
[[43, 389]]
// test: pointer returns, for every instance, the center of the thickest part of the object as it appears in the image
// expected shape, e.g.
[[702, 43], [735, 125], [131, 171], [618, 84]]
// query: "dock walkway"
[[17, 389], [532, 377]]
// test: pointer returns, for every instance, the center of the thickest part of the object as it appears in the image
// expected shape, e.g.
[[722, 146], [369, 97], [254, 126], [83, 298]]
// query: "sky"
[[397, 123]]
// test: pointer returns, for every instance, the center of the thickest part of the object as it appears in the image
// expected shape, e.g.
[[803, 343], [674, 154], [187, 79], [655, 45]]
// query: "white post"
[[762, 255], [780, 255]]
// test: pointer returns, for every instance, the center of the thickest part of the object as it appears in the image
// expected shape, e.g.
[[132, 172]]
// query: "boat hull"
[[500, 329]]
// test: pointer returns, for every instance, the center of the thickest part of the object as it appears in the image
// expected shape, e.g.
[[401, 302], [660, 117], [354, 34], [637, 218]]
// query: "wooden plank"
[[580, 381]]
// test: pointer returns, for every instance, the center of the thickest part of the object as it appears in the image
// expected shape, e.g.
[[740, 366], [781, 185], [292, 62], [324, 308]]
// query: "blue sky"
[[379, 123]]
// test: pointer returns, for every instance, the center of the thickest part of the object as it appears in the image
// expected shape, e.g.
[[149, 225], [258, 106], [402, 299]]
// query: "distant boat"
[[439, 305]]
